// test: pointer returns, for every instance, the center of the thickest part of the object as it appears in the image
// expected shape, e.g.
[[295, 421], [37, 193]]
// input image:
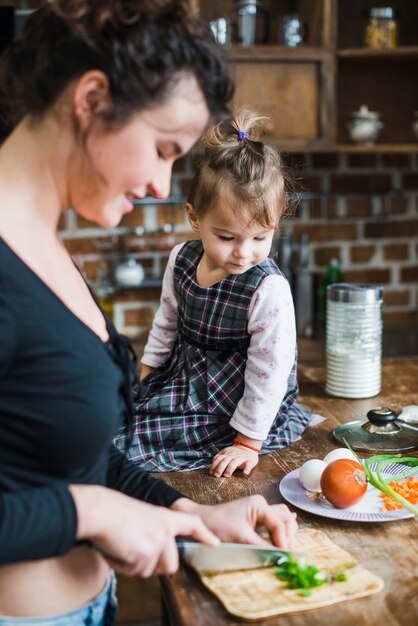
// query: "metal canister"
[[353, 340]]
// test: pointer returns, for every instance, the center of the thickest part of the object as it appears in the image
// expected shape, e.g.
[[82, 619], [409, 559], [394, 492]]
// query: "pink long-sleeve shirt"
[[270, 357]]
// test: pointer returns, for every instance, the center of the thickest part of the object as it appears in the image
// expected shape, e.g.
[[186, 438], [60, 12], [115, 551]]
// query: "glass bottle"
[[253, 22], [332, 275], [353, 340], [104, 288]]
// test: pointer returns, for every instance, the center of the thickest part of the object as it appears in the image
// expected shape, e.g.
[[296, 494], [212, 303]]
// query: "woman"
[[101, 97]]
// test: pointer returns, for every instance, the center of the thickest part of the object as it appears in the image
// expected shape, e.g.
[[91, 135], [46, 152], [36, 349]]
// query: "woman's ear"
[[90, 95], [193, 219]]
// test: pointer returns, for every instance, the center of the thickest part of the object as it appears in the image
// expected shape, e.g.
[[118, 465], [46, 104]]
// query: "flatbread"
[[258, 594]]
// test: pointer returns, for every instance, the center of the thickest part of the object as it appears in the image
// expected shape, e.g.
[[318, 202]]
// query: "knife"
[[231, 556]]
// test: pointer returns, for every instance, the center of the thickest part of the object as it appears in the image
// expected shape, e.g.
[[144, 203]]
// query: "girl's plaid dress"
[[183, 407]]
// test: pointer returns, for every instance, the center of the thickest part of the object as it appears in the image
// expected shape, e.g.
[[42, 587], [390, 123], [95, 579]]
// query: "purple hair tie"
[[242, 135]]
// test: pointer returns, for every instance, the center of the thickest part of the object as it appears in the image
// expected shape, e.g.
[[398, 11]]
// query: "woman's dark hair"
[[143, 46]]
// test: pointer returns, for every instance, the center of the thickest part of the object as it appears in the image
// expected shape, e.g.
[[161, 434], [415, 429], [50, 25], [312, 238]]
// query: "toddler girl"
[[219, 369]]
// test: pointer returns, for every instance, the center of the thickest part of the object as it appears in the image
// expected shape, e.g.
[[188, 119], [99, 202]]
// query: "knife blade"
[[230, 556]]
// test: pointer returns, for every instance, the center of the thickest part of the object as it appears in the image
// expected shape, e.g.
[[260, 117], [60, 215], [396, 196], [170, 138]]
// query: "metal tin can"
[[353, 340]]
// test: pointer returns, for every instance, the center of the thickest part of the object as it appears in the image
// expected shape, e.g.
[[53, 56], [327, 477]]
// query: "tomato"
[[343, 483]]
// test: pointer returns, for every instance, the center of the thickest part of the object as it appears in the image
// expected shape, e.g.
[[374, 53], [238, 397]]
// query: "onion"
[[343, 483]]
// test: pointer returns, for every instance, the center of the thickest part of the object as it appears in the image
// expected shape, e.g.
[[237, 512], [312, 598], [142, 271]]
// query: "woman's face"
[[136, 160]]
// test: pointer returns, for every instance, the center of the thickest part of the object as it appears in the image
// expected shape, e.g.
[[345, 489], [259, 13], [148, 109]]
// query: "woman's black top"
[[63, 396]]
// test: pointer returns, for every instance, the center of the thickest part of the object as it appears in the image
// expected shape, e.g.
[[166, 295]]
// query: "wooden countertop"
[[389, 549]]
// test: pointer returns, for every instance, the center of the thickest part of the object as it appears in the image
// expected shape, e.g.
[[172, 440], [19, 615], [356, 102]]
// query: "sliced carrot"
[[407, 488]]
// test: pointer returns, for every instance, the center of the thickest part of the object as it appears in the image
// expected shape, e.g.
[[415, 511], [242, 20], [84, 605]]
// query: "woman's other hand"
[[137, 539], [236, 521]]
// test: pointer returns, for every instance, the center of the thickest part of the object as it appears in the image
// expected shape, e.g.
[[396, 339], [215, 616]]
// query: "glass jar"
[[294, 31], [253, 22], [382, 28], [353, 340]]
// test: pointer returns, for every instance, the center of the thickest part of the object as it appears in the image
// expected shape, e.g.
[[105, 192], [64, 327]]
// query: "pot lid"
[[382, 432], [365, 114]]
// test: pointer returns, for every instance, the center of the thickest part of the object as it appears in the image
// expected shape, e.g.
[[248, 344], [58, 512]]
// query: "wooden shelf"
[[277, 53], [401, 52], [379, 148], [310, 92], [147, 283]]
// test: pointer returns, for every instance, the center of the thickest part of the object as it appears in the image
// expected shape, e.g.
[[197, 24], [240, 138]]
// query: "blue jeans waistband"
[[101, 611]]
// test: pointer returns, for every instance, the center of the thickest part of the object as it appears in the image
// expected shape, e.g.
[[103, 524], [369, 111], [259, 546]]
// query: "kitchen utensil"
[[230, 556], [253, 22], [304, 292], [380, 433], [259, 595], [285, 254], [353, 340]]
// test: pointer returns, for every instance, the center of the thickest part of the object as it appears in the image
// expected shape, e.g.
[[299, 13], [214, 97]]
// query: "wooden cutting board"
[[258, 594]]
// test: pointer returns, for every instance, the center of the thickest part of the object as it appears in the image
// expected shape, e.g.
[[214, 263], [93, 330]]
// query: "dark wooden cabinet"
[[385, 80], [293, 86], [309, 92]]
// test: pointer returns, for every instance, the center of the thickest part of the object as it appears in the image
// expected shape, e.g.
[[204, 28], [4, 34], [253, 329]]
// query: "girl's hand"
[[236, 521], [137, 539], [144, 371], [231, 458]]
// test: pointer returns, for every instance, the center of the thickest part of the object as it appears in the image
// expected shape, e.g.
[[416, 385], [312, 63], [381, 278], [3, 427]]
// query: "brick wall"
[[361, 209]]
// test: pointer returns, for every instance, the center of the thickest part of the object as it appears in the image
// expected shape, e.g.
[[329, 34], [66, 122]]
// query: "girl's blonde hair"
[[233, 166]]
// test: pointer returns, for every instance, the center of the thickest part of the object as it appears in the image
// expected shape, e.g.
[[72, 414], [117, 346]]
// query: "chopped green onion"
[[300, 575]]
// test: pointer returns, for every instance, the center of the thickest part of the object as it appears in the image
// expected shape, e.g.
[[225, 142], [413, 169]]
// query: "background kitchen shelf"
[[293, 86], [309, 92], [391, 53], [379, 148], [384, 80], [147, 283], [278, 53]]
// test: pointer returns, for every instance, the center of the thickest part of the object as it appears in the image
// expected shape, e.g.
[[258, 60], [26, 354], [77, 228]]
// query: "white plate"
[[367, 510]]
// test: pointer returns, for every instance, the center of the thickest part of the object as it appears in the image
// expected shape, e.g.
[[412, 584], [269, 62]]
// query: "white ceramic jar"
[[353, 340], [130, 273], [364, 126]]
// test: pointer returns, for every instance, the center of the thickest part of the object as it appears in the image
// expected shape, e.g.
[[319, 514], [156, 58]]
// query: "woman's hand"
[[137, 539], [231, 458], [236, 521]]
